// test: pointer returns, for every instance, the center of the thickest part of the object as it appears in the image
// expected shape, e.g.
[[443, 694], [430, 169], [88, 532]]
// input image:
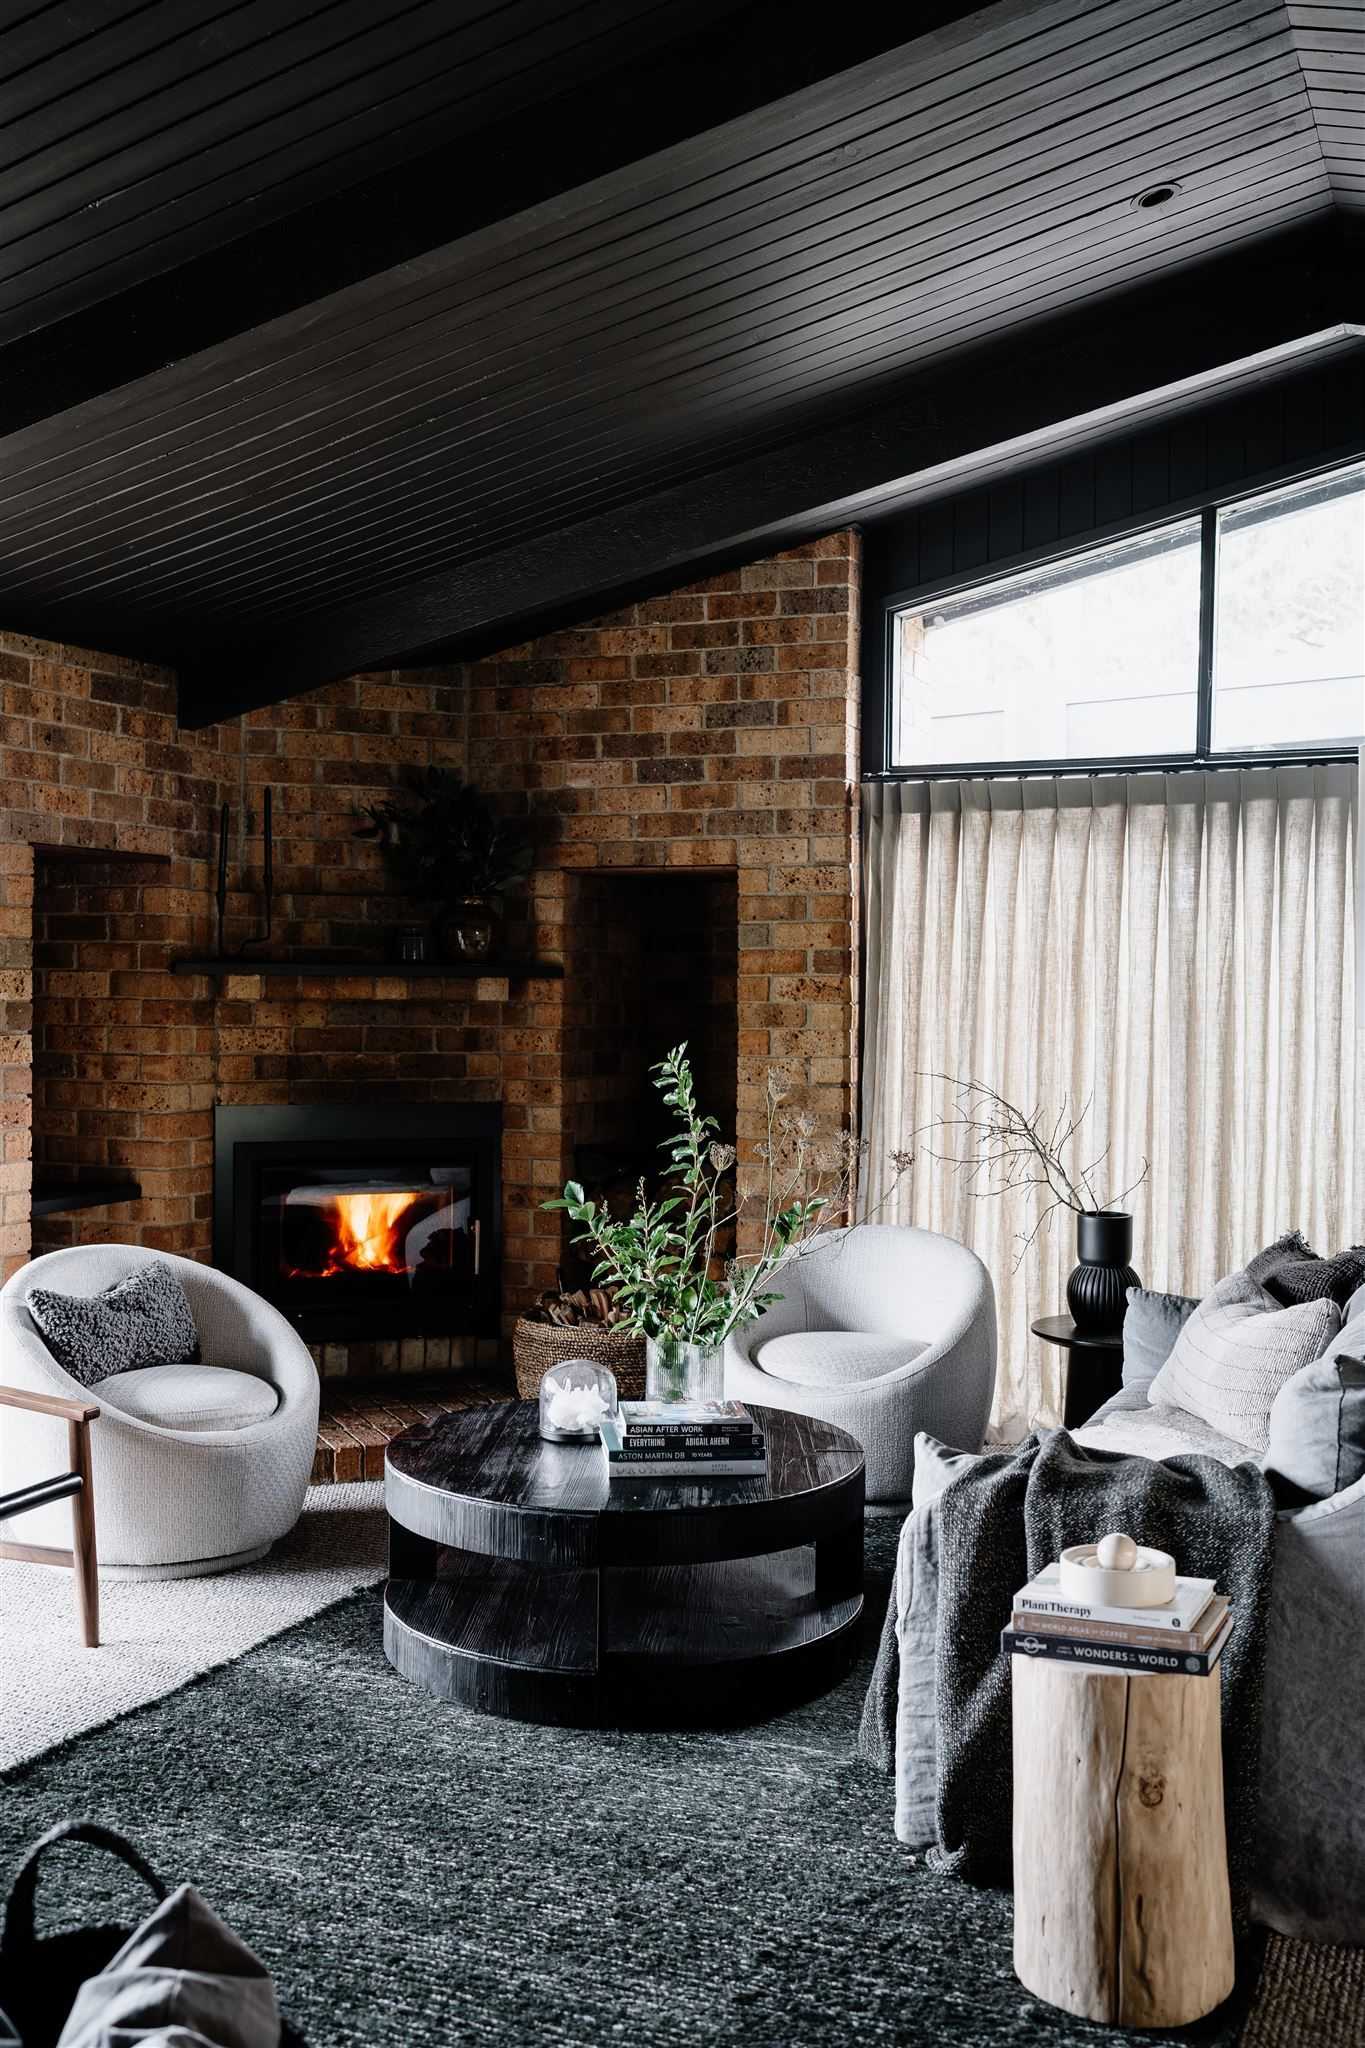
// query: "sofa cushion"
[[1236, 1352], [1317, 1422], [1150, 1327], [1292, 1271], [835, 1358], [935, 1465], [193, 1397], [142, 1320]]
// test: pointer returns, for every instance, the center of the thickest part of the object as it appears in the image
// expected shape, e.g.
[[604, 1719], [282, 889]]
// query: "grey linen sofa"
[[1309, 1877]]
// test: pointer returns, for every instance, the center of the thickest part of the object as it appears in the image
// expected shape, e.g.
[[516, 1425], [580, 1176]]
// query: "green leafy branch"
[[661, 1263]]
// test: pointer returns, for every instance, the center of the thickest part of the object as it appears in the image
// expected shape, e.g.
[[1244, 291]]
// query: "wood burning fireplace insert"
[[363, 1223]]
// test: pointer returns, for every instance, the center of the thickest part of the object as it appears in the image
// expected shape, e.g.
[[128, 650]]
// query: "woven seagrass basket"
[[538, 1346]]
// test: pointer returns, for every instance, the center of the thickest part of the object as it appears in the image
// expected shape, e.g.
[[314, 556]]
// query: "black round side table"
[[1094, 1367]]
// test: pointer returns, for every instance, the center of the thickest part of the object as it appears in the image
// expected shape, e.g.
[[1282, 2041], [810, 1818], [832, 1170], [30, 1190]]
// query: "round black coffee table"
[[521, 1582]]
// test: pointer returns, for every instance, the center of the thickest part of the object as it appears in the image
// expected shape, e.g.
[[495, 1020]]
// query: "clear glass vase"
[[677, 1371]]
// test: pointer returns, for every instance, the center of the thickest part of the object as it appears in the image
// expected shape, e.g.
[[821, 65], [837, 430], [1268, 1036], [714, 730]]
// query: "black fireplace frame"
[[255, 1134]]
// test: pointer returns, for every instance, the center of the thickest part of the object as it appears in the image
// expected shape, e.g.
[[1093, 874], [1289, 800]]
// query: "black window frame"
[[1203, 756]]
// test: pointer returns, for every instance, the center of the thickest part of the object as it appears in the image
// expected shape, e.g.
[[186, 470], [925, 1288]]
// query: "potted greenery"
[[447, 847], [662, 1264]]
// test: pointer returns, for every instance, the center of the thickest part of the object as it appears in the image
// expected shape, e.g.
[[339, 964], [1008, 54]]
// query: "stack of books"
[[686, 1440], [1185, 1636]]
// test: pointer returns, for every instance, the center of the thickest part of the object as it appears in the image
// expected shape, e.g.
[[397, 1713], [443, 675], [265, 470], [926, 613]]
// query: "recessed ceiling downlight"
[[1155, 196]]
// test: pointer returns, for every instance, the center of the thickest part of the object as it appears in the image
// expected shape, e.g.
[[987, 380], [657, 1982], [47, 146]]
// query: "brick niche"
[[706, 739]]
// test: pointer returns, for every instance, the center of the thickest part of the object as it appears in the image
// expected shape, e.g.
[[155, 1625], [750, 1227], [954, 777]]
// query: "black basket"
[[39, 1978]]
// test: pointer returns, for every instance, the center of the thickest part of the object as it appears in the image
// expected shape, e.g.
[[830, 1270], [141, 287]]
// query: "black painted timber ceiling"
[[339, 335]]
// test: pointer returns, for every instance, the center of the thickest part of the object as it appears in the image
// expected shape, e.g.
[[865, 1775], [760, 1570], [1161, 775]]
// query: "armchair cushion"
[[142, 1319], [835, 1358], [194, 1397]]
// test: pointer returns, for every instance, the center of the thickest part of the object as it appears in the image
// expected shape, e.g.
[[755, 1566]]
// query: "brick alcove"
[[651, 962], [704, 742]]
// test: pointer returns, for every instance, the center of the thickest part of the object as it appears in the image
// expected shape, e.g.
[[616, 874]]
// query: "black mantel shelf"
[[58, 1198], [363, 970]]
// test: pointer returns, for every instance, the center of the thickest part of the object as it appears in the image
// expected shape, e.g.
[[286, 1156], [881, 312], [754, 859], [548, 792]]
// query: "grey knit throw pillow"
[[143, 1319], [1292, 1271]]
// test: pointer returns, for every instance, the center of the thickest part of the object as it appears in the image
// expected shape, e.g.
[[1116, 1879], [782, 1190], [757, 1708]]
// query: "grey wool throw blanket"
[[1000, 1522]]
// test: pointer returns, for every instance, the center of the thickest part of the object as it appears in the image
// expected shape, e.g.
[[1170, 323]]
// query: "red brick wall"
[[714, 728], [123, 1051], [92, 759], [16, 1052]]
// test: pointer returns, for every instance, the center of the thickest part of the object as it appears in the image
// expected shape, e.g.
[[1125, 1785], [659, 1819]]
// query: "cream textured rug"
[[157, 1635]]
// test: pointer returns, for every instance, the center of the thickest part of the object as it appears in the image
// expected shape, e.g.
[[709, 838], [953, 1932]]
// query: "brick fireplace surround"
[[713, 729]]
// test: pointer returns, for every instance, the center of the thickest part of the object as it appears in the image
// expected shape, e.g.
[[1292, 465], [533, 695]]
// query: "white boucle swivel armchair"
[[197, 1468], [883, 1331]]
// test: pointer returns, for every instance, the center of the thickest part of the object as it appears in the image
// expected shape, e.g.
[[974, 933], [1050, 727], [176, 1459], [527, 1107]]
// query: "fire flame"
[[367, 1232]]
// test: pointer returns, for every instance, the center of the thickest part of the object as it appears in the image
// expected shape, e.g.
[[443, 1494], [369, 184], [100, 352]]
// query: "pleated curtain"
[[1176, 951]]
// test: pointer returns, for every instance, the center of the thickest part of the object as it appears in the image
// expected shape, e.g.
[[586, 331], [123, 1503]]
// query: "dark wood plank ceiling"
[[1330, 41], [136, 135], [370, 405]]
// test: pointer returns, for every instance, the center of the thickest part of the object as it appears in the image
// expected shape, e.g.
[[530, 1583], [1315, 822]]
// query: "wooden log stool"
[[1122, 1911]]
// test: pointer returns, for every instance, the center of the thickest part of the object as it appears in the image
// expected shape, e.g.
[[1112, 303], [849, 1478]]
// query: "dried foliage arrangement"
[[575, 1308], [1001, 1148]]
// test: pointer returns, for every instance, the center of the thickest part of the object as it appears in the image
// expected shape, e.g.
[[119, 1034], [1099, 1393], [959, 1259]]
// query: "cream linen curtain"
[[1177, 949]]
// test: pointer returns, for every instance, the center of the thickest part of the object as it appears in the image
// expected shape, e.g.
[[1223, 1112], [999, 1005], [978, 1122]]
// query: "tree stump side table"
[[1122, 1911]]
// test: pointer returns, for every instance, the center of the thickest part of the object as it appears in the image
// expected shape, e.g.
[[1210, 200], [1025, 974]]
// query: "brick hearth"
[[709, 732], [359, 1421]]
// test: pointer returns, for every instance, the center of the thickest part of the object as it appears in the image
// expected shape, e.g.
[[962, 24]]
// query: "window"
[[1289, 618], [1237, 630]]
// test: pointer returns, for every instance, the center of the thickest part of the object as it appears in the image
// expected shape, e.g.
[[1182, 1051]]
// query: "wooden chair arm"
[[49, 1404]]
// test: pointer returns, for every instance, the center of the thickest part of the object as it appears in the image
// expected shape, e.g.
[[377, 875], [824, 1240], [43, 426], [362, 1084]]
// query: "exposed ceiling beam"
[[1142, 355]]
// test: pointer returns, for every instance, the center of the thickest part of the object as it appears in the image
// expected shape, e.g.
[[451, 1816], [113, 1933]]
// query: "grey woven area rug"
[[415, 1874]]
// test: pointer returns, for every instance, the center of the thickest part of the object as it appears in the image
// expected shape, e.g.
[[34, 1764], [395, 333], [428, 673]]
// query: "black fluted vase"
[[1097, 1291]]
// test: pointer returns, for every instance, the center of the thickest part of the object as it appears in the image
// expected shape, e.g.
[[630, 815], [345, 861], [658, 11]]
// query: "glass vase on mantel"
[[678, 1371]]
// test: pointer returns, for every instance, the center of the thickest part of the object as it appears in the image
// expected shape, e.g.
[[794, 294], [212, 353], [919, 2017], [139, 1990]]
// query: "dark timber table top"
[[522, 1581], [485, 1480], [1061, 1330]]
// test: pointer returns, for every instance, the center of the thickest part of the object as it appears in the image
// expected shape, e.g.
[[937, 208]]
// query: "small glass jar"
[[575, 1399]]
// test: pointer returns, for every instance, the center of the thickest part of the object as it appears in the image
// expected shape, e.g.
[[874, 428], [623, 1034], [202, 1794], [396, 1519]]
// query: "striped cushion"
[[1235, 1353]]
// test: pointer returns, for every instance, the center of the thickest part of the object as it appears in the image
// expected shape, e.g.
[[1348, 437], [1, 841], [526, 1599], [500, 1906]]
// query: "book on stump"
[[1136, 1633], [1020, 1642], [1043, 1595]]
